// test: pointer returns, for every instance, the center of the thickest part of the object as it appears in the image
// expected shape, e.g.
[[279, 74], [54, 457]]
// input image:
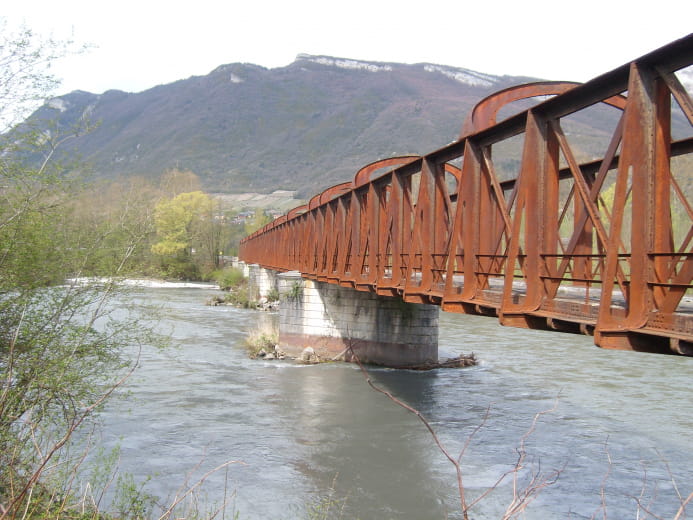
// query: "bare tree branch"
[[188, 492], [33, 479]]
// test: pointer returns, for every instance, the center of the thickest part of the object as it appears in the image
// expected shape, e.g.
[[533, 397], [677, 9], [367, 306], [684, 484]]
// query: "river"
[[313, 437]]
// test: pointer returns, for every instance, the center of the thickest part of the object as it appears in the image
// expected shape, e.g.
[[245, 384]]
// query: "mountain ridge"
[[304, 126]]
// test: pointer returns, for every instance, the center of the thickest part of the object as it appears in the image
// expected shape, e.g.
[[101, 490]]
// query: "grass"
[[266, 336], [228, 278]]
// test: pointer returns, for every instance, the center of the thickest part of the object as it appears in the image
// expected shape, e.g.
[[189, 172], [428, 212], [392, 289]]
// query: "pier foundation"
[[261, 281], [338, 321]]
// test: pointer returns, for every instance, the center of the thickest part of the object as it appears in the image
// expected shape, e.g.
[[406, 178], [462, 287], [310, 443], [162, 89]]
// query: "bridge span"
[[514, 220]]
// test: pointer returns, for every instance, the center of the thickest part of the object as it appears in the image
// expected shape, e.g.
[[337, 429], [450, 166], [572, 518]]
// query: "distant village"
[[243, 216], [274, 205]]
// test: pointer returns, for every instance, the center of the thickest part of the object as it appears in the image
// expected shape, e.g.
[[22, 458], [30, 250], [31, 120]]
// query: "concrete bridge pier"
[[329, 318], [261, 281]]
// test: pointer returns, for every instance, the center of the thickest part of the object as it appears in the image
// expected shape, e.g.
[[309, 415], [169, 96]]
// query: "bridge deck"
[[573, 309]]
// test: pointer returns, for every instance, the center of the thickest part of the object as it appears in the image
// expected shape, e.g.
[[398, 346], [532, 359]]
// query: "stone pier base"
[[333, 320], [261, 281]]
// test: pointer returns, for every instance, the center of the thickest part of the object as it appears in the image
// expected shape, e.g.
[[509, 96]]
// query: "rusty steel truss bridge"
[[513, 220]]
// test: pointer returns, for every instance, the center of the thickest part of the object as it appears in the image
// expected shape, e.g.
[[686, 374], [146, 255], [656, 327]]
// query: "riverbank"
[[151, 283]]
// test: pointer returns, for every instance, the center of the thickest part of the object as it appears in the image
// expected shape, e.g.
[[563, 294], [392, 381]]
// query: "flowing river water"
[[318, 438]]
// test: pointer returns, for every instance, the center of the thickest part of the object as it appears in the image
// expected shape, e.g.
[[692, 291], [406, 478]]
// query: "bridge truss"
[[512, 220]]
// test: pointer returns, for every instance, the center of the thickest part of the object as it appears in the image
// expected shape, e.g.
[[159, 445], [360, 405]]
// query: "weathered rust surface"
[[601, 246]]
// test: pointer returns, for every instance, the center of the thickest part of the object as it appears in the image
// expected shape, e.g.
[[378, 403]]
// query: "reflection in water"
[[363, 440], [302, 429]]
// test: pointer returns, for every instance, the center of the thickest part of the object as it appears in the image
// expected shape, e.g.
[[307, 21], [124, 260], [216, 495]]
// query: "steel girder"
[[510, 220]]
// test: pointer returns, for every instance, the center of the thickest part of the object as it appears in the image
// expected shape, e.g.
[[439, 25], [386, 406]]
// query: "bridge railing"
[[511, 219]]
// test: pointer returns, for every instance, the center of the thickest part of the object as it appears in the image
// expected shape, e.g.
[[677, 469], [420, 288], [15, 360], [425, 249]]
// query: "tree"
[[213, 233], [59, 345], [176, 220], [174, 182], [120, 214], [186, 227], [259, 219], [25, 77]]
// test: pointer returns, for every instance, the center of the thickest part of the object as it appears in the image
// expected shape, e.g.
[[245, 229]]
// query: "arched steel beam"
[[298, 210], [454, 171], [483, 115], [334, 191], [364, 174]]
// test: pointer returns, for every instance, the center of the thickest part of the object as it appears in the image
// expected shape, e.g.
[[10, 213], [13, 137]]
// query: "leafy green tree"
[[117, 215], [212, 234], [259, 220], [176, 221], [60, 346], [190, 235]]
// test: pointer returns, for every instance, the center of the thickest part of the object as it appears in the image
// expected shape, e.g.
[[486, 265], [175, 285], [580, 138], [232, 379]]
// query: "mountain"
[[302, 127], [306, 126]]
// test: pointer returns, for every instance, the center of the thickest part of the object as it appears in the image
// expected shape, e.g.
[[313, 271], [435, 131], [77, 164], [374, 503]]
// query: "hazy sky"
[[140, 44]]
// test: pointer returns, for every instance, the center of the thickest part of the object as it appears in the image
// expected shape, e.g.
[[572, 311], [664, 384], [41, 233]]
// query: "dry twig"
[[189, 491]]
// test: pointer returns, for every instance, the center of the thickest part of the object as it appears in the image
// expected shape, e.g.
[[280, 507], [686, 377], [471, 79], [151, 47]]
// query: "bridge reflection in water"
[[508, 221]]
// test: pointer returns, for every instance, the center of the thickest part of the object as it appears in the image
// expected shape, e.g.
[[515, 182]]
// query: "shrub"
[[229, 278], [265, 337], [273, 295]]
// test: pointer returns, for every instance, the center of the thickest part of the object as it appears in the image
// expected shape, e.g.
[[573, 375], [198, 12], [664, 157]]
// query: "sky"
[[136, 45]]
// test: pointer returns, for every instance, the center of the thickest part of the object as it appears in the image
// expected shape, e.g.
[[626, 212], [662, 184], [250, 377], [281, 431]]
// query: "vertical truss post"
[[549, 246], [486, 258], [372, 233], [442, 216], [583, 230], [637, 167], [356, 235], [663, 230], [347, 258], [315, 237], [528, 229], [321, 241], [469, 221], [381, 245], [423, 234], [331, 236]]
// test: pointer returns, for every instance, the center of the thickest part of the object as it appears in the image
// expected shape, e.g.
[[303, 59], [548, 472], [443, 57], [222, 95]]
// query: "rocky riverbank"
[[230, 299]]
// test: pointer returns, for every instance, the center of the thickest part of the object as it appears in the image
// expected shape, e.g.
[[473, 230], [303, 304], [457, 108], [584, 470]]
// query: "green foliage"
[[259, 220], [60, 344], [131, 500], [239, 297], [179, 268], [228, 278], [235, 233], [327, 505], [60, 347], [116, 216], [265, 337], [174, 182], [295, 292], [60, 337], [191, 234], [273, 295], [176, 219]]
